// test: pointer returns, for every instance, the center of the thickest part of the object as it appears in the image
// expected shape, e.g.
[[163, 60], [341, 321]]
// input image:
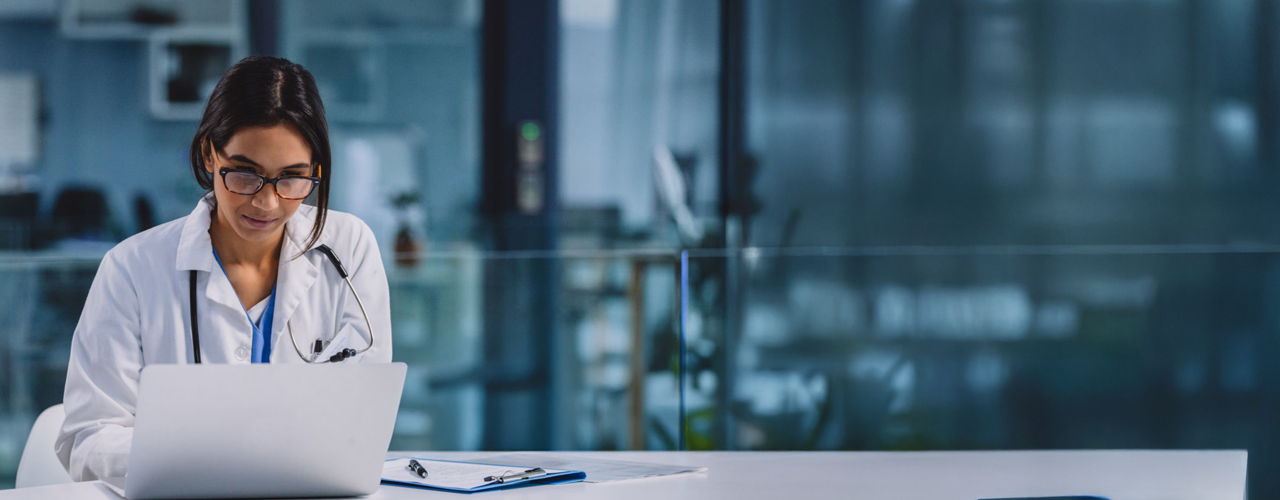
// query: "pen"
[[508, 477], [416, 468]]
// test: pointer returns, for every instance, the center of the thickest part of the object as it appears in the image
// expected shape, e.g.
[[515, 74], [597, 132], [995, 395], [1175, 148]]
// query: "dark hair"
[[262, 91]]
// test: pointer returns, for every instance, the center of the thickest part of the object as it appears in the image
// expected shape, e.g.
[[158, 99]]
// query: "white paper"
[[450, 474], [598, 471]]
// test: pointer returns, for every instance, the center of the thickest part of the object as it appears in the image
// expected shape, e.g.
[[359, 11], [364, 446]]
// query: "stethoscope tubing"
[[363, 312]]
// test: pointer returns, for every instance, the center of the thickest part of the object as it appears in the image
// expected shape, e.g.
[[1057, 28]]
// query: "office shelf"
[[184, 66], [137, 20]]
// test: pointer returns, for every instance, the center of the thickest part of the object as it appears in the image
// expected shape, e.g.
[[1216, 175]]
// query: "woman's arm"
[[102, 378]]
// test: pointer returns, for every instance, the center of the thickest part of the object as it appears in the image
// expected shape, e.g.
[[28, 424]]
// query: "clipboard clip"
[[512, 477]]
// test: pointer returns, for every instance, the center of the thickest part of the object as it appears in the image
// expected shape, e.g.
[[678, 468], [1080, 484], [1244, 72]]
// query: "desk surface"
[[1118, 475]]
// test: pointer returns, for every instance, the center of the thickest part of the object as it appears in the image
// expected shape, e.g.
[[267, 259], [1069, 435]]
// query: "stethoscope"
[[319, 345]]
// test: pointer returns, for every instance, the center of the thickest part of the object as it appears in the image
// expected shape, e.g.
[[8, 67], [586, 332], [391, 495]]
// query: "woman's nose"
[[266, 198]]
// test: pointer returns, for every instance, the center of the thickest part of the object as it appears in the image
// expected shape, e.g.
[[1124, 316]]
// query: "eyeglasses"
[[289, 187]]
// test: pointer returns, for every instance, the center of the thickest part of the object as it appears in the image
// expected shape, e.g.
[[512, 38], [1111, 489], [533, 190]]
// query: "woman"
[[249, 260]]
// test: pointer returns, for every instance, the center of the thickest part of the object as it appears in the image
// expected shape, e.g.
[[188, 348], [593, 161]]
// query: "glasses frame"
[[223, 171]]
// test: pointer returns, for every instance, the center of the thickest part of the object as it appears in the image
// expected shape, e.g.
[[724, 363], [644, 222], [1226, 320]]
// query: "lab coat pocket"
[[340, 341]]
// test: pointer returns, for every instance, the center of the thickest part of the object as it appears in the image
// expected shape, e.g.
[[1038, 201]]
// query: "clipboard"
[[472, 477]]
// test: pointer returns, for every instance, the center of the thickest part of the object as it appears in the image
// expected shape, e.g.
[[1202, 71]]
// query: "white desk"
[[1118, 475]]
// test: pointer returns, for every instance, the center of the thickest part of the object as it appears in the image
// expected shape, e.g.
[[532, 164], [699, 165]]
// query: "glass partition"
[[936, 348], [871, 348], [42, 297], [594, 363]]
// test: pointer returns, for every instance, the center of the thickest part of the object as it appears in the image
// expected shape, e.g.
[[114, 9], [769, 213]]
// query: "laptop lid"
[[257, 431]]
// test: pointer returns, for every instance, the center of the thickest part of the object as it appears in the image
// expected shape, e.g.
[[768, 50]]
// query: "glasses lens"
[[243, 182], [294, 188]]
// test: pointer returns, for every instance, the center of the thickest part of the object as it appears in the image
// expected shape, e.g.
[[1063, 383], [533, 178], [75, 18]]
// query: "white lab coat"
[[137, 314]]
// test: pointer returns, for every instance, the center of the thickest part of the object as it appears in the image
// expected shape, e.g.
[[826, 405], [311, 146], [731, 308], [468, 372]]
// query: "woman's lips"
[[257, 223]]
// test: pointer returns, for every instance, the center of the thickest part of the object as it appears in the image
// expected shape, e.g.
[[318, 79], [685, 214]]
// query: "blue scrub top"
[[261, 352]]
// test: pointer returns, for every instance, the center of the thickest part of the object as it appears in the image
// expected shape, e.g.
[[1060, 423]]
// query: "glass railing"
[[40, 300], [802, 349], [537, 350], [925, 348]]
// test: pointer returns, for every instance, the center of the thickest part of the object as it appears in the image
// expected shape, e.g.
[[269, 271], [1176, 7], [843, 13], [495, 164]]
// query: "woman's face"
[[269, 151]]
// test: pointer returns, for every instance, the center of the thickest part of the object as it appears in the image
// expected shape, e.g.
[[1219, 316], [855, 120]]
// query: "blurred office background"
[[718, 225]]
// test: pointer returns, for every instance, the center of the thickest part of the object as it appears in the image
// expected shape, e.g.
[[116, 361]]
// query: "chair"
[[39, 465], [80, 213], [18, 220]]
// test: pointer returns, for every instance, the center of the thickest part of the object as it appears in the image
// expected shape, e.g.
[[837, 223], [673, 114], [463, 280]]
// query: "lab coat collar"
[[297, 231], [297, 274], [194, 247], [195, 252]]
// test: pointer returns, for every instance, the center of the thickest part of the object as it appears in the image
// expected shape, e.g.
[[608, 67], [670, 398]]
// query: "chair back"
[[39, 465]]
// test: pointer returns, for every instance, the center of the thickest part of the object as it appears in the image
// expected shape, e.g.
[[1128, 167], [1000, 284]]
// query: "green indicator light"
[[530, 131]]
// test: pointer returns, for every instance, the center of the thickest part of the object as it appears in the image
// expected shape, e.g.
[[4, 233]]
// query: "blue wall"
[[97, 130]]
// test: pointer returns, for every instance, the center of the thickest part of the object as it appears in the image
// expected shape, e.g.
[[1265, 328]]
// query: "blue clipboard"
[[395, 474]]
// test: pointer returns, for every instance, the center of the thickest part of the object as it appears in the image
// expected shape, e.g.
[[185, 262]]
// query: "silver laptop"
[[259, 431]]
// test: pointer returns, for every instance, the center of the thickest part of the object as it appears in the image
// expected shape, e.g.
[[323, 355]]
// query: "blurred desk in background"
[[1117, 475]]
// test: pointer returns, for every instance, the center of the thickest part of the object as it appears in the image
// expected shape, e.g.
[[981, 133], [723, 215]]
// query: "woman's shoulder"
[[146, 244], [345, 225], [341, 229]]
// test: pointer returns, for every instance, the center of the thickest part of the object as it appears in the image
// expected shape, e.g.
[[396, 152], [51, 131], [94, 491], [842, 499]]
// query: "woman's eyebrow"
[[245, 159]]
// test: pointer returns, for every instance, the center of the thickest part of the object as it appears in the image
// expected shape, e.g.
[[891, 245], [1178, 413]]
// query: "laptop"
[[261, 431]]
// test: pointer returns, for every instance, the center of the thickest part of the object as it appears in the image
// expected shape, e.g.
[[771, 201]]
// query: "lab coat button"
[[242, 353]]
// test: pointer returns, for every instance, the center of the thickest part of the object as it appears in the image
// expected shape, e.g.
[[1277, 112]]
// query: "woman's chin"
[[255, 235]]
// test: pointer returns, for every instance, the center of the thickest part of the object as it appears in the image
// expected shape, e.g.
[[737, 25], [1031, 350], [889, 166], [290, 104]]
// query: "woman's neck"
[[234, 250]]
